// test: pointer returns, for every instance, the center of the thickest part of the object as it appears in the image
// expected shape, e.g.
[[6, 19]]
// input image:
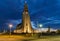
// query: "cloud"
[[16, 22], [33, 25], [51, 18], [53, 22], [46, 29], [13, 22]]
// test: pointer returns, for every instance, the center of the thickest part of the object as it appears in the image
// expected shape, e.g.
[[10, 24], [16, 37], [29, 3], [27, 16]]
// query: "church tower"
[[26, 20], [25, 26]]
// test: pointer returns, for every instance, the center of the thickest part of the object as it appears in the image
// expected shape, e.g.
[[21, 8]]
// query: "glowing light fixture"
[[40, 25]]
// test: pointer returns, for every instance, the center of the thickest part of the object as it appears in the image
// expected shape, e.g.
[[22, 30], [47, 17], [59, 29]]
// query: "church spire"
[[25, 1], [25, 6]]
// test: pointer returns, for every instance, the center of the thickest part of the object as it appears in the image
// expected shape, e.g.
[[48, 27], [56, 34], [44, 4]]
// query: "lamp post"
[[40, 28], [10, 26]]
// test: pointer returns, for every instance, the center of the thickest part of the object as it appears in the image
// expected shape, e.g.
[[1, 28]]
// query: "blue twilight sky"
[[46, 12]]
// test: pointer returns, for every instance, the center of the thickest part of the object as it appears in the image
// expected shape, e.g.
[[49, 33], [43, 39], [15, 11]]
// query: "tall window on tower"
[[26, 24], [26, 28]]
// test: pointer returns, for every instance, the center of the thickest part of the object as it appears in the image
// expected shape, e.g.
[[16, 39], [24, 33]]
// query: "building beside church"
[[25, 26]]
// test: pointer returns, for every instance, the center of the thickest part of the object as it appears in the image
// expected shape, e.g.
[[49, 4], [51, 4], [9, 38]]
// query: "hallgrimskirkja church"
[[25, 26]]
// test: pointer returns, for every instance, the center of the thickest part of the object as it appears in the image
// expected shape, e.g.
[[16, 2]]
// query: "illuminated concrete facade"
[[25, 27]]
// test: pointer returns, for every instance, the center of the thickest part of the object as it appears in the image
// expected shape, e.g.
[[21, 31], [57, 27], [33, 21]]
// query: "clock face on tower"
[[26, 12]]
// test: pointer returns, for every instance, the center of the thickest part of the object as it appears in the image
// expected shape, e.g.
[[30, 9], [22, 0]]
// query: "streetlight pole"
[[10, 26], [10, 31], [41, 28]]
